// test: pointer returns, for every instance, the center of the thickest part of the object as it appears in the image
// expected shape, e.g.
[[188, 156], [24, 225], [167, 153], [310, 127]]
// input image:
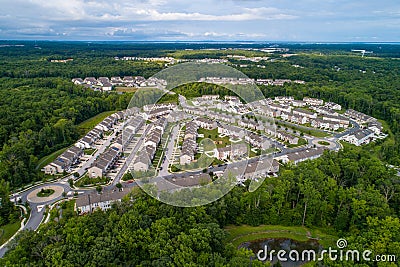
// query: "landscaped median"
[[240, 234]]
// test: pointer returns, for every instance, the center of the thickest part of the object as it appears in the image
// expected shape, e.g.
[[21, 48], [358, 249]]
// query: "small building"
[[88, 203]]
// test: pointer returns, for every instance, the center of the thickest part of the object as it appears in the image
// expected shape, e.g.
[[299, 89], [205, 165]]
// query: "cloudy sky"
[[191, 20]]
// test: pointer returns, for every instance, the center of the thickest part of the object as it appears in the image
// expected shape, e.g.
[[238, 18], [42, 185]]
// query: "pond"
[[290, 246]]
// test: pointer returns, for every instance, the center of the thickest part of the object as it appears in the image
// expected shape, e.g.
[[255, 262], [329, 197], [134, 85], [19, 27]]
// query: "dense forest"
[[353, 193]]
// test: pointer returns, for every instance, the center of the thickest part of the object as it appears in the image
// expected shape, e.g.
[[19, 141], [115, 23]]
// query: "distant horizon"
[[200, 41], [199, 21]]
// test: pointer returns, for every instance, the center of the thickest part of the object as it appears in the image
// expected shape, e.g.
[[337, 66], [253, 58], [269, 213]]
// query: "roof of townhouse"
[[375, 124], [303, 111], [68, 155], [305, 154], [75, 150], [204, 120], [160, 122], [143, 157], [151, 151], [260, 165], [87, 139], [108, 195], [286, 134], [158, 111], [154, 137], [59, 162], [362, 133]]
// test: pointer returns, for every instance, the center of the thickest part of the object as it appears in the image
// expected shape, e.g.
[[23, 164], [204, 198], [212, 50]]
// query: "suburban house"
[[189, 145], [298, 103], [359, 137], [104, 162], [64, 161], [376, 127], [343, 122], [142, 161], [313, 101], [302, 155], [210, 97], [176, 182], [231, 151], [305, 113], [259, 169], [332, 105], [77, 81], [286, 137], [324, 124], [280, 107], [284, 99], [206, 123], [230, 130], [358, 116], [93, 201], [257, 140]]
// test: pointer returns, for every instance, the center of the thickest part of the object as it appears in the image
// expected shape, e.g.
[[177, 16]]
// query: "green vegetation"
[[49, 158], [323, 143], [45, 192], [126, 89], [89, 151], [213, 135], [8, 230], [87, 181], [244, 233], [301, 142], [89, 124], [313, 132]]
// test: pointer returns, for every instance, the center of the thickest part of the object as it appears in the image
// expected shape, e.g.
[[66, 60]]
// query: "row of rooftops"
[[302, 155], [189, 145], [146, 154], [107, 158], [359, 116], [127, 80], [68, 158]]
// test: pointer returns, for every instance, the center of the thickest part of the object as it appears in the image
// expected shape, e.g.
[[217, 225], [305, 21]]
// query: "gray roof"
[[94, 197]]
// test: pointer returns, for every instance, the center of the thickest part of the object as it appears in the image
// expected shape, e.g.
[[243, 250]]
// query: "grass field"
[[244, 233], [126, 89], [213, 134], [89, 124], [8, 230], [313, 132], [49, 158]]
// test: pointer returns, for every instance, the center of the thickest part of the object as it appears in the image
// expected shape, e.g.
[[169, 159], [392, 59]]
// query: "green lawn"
[[45, 192], [83, 128], [8, 230], [244, 233], [87, 181], [50, 158], [324, 143], [89, 124], [301, 142], [313, 132], [89, 151], [213, 134]]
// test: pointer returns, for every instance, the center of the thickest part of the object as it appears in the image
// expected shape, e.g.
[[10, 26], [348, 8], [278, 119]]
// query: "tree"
[[99, 189], [119, 186]]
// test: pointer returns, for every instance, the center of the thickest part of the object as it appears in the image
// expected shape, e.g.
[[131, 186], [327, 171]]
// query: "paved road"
[[99, 151], [37, 209], [169, 150], [128, 161]]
